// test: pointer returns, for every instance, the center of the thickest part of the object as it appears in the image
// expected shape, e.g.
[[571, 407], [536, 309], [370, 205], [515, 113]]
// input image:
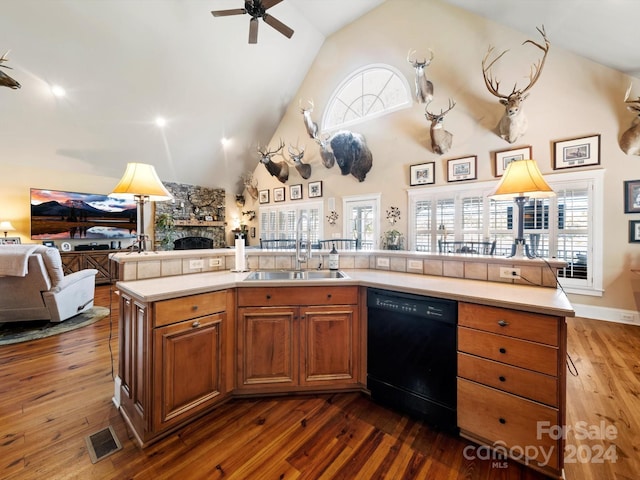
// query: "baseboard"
[[618, 315]]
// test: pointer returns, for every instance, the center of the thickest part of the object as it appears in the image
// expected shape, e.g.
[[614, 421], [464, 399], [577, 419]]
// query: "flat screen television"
[[59, 215]]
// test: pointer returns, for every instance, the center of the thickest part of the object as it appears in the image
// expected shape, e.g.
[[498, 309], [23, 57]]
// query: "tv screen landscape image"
[[59, 215]]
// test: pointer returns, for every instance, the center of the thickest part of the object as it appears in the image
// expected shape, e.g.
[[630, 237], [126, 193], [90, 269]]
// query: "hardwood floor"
[[56, 391]]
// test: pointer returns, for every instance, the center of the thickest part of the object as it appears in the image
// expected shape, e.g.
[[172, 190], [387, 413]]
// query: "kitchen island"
[[191, 342]]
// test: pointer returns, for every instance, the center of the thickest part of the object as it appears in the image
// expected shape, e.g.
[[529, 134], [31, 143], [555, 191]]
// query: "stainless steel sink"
[[294, 275]]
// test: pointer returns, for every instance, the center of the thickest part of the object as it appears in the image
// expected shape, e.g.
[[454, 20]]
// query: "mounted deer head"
[[6, 80], [630, 139], [328, 158], [280, 170], [309, 124], [296, 155], [514, 123], [424, 88], [250, 185], [440, 138]]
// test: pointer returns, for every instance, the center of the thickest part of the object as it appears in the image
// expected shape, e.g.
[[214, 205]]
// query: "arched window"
[[367, 93]]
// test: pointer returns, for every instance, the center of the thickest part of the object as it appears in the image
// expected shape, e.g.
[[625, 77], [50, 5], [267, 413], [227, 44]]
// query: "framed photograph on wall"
[[634, 231], [263, 196], [295, 192], [422, 174], [632, 196], [278, 194], [463, 168], [315, 189], [576, 152], [502, 158]]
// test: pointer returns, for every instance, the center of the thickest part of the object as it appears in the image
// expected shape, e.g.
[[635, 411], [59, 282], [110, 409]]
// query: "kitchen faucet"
[[302, 256]]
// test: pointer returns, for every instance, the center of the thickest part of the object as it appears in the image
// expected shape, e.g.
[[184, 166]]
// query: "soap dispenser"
[[334, 258]]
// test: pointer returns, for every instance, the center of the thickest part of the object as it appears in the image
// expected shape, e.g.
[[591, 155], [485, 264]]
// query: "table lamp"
[[141, 182], [5, 227], [521, 180]]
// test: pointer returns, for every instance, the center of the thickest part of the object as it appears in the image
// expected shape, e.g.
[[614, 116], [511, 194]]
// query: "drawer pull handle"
[[502, 379], [194, 308], [329, 296], [268, 297], [503, 350], [195, 324], [502, 323], [502, 420]]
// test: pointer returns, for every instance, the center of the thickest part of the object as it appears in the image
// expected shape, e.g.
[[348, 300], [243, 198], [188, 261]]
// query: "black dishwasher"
[[411, 355]]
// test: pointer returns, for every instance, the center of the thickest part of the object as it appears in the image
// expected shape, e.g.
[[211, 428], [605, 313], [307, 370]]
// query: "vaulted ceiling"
[[123, 63]]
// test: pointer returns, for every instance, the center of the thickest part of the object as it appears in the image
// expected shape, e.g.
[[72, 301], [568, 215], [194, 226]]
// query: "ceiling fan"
[[257, 9]]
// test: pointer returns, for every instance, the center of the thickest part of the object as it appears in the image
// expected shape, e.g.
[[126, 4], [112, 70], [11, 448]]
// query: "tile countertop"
[[520, 297]]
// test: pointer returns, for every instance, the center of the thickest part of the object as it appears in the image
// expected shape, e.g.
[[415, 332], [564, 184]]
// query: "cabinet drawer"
[[520, 353], [282, 296], [529, 326], [535, 386], [184, 308], [496, 416]]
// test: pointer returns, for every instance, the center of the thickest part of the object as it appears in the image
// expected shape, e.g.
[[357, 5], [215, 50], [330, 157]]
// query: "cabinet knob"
[[268, 297], [194, 308], [329, 295], [503, 350], [502, 379], [195, 324], [502, 420], [502, 323]]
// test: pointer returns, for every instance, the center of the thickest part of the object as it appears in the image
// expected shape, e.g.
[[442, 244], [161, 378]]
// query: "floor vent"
[[102, 444]]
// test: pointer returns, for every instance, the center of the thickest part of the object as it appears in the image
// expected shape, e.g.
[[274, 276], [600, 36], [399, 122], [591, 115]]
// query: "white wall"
[[573, 98]]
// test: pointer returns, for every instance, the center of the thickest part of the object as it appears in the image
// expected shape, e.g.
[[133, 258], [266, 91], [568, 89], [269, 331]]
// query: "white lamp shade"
[[6, 226], [141, 179], [522, 178]]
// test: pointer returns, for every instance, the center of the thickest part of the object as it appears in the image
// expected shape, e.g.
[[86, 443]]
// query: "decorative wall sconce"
[[332, 217]]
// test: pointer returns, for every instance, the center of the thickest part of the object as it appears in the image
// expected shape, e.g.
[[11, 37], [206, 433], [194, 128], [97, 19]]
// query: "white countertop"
[[520, 297]]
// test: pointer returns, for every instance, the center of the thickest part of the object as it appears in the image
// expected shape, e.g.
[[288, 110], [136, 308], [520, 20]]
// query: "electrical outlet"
[[194, 264], [215, 262], [382, 262], [509, 272], [628, 318]]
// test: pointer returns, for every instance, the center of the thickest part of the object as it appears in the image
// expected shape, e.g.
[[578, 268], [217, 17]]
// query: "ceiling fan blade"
[[226, 13], [266, 4], [253, 30], [278, 25]]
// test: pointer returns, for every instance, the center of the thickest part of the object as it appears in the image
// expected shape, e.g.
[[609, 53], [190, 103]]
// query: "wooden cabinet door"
[[188, 366], [328, 350], [133, 364], [267, 347]]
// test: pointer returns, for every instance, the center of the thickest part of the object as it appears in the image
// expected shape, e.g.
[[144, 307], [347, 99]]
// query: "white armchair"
[[44, 292]]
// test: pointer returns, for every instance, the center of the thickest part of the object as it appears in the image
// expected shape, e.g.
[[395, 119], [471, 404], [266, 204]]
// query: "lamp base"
[[140, 245], [520, 249]]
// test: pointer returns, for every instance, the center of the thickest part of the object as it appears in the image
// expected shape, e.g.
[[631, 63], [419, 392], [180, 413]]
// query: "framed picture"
[[505, 157], [463, 168], [315, 189], [576, 152], [634, 231], [263, 196], [422, 174], [49, 243], [278, 194], [9, 240], [208, 218], [295, 192], [632, 196]]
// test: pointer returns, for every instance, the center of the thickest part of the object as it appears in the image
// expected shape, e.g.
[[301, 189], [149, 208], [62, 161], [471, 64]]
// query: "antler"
[[269, 153], [4, 57], [415, 63], [536, 69], [432, 117], [303, 109], [295, 153], [626, 98]]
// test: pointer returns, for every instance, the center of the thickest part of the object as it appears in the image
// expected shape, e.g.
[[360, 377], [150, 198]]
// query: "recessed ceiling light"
[[58, 91], [161, 121]]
